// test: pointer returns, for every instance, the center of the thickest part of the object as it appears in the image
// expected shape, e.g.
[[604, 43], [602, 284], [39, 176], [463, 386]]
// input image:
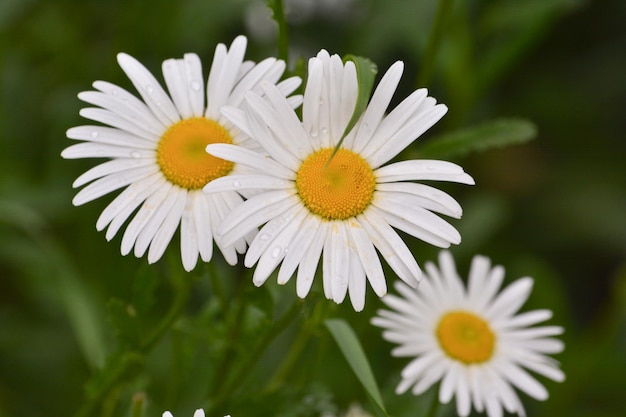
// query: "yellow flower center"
[[339, 190], [465, 337], [182, 156]]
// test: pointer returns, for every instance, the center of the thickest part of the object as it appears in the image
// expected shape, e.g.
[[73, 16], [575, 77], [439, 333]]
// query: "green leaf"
[[366, 72], [493, 134], [354, 354]]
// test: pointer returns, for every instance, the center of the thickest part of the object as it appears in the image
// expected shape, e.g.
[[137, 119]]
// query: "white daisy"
[[471, 339], [157, 146], [198, 413], [345, 209]]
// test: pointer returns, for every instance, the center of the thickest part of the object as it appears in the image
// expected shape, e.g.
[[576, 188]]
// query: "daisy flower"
[[471, 339], [198, 413], [345, 208], [156, 149]]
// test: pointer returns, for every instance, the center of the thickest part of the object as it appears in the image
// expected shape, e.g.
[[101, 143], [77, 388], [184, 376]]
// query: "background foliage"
[[552, 208]]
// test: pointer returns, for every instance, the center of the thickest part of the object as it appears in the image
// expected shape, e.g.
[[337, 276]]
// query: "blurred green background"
[[553, 208]]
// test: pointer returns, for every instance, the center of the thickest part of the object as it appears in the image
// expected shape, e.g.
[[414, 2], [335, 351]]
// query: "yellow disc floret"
[[182, 157], [337, 190], [466, 337]]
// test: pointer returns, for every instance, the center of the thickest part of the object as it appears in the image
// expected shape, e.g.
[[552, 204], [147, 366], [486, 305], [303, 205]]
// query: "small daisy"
[[345, 208], [198, 413], [157, 146], [470, 338]]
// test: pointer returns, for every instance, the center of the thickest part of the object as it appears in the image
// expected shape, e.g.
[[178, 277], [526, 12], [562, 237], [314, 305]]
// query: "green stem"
[[297, 347], [238, 376], [124, 363], [283, 36], [434, 41]]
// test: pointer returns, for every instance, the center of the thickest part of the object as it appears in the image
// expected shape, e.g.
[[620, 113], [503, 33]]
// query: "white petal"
[[251, 80], [394, 121], [356, 283], [165, 233], [249, 158], [311, 104], [261, 118], [140, 116], [133, 195], [510, 299], [415, 230], [304, 238], [147, 210], [175, 75], [112, 119], [202, 215], [109, 136], [425, 196], [125, 204], [126, 97], [109, 167], [239, 182], [277, 250], [406, 135], [391, 246], [368, 258], [522, 380], [253, 213], [100, 150], [401, 206], [339, 261], [149, 89], [528, 319], [377, 106], [110, 183], [222, 80], [422, 169], [269, 233], [189, 232], [152, 226], [285, 123], [308, 265], [482, 298]]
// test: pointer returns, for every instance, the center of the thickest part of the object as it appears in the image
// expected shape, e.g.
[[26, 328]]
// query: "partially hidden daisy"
[[156, 149], [471, 338], [198, 413], [346, 208]]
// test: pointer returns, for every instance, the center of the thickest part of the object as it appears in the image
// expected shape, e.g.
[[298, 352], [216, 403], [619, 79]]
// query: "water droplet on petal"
[[135, 154], [94, 134], [313, 133], [264, 237], [321, 101], [236, 184], [430, 167], [195, 85], [114, 91], [149, 88], [324, 130], [276, 251]]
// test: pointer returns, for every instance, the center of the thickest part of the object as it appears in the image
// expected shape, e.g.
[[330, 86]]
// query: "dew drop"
[[264, 237], [430, 167], [114, 91], [276, 251], [236, 184], [135, 154], [149, 88], [195, 85], [94, 134], [324, 130], [313, 133], [321, 101]]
